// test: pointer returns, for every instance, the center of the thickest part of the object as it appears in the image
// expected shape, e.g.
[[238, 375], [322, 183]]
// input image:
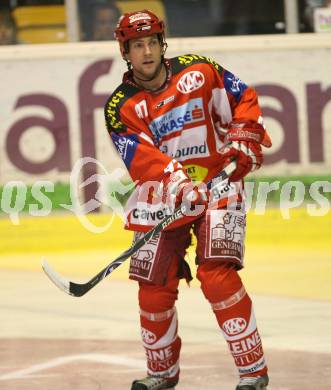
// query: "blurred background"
[[58, 65], [46, 21]]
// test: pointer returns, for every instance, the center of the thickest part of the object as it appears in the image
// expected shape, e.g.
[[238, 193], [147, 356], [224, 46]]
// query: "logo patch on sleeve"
[[126, 147], [234, 85]]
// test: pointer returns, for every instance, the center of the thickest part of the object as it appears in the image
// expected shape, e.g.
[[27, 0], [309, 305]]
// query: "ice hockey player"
[[176, 123]]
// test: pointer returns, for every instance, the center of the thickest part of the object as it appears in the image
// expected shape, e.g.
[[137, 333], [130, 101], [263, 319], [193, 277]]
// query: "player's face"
[[145, 55]]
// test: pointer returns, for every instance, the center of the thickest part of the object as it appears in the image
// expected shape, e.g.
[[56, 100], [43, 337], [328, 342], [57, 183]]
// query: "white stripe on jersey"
[[222, 105]]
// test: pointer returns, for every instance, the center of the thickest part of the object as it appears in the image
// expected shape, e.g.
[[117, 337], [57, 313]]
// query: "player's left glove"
[[243, 143]]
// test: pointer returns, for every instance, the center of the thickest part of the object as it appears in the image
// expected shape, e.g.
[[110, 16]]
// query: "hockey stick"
[[79, 289]]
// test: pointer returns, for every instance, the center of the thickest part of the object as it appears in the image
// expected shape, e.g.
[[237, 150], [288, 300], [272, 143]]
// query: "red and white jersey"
[[186, 121]]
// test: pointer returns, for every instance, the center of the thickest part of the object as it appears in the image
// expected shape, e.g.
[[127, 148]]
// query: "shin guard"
[[161, 343], [236, 318], [232, 306]]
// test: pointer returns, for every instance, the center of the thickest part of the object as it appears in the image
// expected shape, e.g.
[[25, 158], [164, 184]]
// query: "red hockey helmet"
[[138, 24]]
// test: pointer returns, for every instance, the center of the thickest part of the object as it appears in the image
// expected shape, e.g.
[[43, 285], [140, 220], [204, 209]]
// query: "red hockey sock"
[[161, 343], [238, 325], [235, 316], [158, 319]]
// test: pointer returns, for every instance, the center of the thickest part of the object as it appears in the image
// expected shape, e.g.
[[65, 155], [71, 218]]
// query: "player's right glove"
[[179, 188]]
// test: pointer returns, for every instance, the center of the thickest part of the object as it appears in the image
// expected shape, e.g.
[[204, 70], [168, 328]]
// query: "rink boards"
[[286, 257]]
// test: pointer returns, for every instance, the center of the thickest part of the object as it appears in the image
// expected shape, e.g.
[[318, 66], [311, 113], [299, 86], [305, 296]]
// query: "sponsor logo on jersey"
[[192, 143], [190, 81], [177, 118], [234, 326], [196, 172], [112, 104], [126, 147], [234, 85], [148, 216], [165, 101], [221, 190], [189, 58]]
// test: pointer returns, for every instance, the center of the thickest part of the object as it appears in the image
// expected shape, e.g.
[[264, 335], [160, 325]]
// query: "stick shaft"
[[80, 289]]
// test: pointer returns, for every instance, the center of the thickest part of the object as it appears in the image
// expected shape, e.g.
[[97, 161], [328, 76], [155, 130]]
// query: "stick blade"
[[62, 283]]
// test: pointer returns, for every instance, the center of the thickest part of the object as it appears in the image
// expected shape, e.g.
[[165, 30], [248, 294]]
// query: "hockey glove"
[[243, 143], [179, 188]]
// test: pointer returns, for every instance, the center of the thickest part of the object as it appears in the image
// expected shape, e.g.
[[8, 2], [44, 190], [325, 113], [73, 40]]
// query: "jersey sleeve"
[[233, 100], [134, 144], [242, 98]]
